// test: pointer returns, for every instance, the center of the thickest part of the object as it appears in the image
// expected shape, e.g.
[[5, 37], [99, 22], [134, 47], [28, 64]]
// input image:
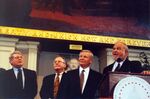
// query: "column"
[[7, 46]]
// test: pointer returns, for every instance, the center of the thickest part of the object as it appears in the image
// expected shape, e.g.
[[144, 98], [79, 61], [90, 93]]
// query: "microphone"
[[119, 60]]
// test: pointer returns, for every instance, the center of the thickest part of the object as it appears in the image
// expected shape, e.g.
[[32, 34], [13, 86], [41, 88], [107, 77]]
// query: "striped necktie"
[[56, 86]]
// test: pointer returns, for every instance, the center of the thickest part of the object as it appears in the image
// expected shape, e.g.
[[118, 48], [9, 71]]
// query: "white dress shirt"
[[60, 76], [86, 74], [16, 72], [116, 64]]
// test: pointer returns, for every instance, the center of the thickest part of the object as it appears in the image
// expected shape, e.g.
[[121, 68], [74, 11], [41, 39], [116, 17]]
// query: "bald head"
[[120, 51]]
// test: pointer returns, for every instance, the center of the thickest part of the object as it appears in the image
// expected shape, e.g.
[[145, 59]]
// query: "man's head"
[[16, 59], [59, 64], [85, 58], [120, 51]]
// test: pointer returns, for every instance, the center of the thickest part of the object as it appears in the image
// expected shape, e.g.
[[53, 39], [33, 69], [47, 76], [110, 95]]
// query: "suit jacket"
[[12, 89], [2, 82], [47, 88], [73, 85], [2, 70], [127, 66]]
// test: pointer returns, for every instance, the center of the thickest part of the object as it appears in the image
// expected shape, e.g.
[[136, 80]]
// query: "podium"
[[111, 79]]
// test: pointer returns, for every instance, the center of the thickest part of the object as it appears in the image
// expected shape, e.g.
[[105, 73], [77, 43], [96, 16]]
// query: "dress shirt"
[[16, 72], [60, 76], [116, 64], [86, 74]]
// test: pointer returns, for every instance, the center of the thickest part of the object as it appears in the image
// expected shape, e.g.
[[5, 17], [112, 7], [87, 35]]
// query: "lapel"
[[125, 66], [61, 83], [51, 82], [87, 85], [25, 77], [50, 85], [111, 66], [62, 78], [77, 77], [12, 75]]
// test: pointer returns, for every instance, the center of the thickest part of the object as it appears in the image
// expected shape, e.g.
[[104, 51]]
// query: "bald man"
[[48, 90], [120, 55]]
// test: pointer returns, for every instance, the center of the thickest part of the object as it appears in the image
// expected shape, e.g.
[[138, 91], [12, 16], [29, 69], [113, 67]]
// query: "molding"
[[8, 42], [71, 36], [27, 45]]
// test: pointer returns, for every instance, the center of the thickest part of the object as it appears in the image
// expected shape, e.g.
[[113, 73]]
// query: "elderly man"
[[20, 83], [122, 63], [53, 84], [83, 82]]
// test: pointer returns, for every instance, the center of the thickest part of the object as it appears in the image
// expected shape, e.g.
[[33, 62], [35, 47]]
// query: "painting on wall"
[[119, 18]]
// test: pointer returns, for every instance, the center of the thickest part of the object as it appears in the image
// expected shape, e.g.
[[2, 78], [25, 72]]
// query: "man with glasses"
[[53, 84], [19, 83]]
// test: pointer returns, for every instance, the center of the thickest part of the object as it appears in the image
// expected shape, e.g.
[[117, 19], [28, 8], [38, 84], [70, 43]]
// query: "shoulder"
[[29, 72], [49, 76], [8, 71], [133, 63], [108, 68], [72, 71], [138, 63], [2, 70], [25, 69], [135, 66], [95, 73]]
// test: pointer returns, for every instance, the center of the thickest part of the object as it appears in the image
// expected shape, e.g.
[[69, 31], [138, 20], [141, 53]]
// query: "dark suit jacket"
[[12, 90], [2, 70], [2, 82], [47, 88], [127, 66], [73, 85]]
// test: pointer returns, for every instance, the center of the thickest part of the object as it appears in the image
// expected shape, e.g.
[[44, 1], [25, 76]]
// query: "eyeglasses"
[[59, 62], [18, 57]]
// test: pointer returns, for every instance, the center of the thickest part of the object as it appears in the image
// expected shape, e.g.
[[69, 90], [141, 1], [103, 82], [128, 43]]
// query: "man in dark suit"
[[83, 82], [51, 89], [122, 63], [20, 83]]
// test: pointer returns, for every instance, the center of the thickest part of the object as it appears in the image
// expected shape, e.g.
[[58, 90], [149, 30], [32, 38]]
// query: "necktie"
[[81, 80], [118, 67], [19, 78], [56, 86]]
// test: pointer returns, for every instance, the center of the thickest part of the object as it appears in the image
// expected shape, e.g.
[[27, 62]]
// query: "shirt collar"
[[86, 69], [59, 73], [16, 69], [120, 63]]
